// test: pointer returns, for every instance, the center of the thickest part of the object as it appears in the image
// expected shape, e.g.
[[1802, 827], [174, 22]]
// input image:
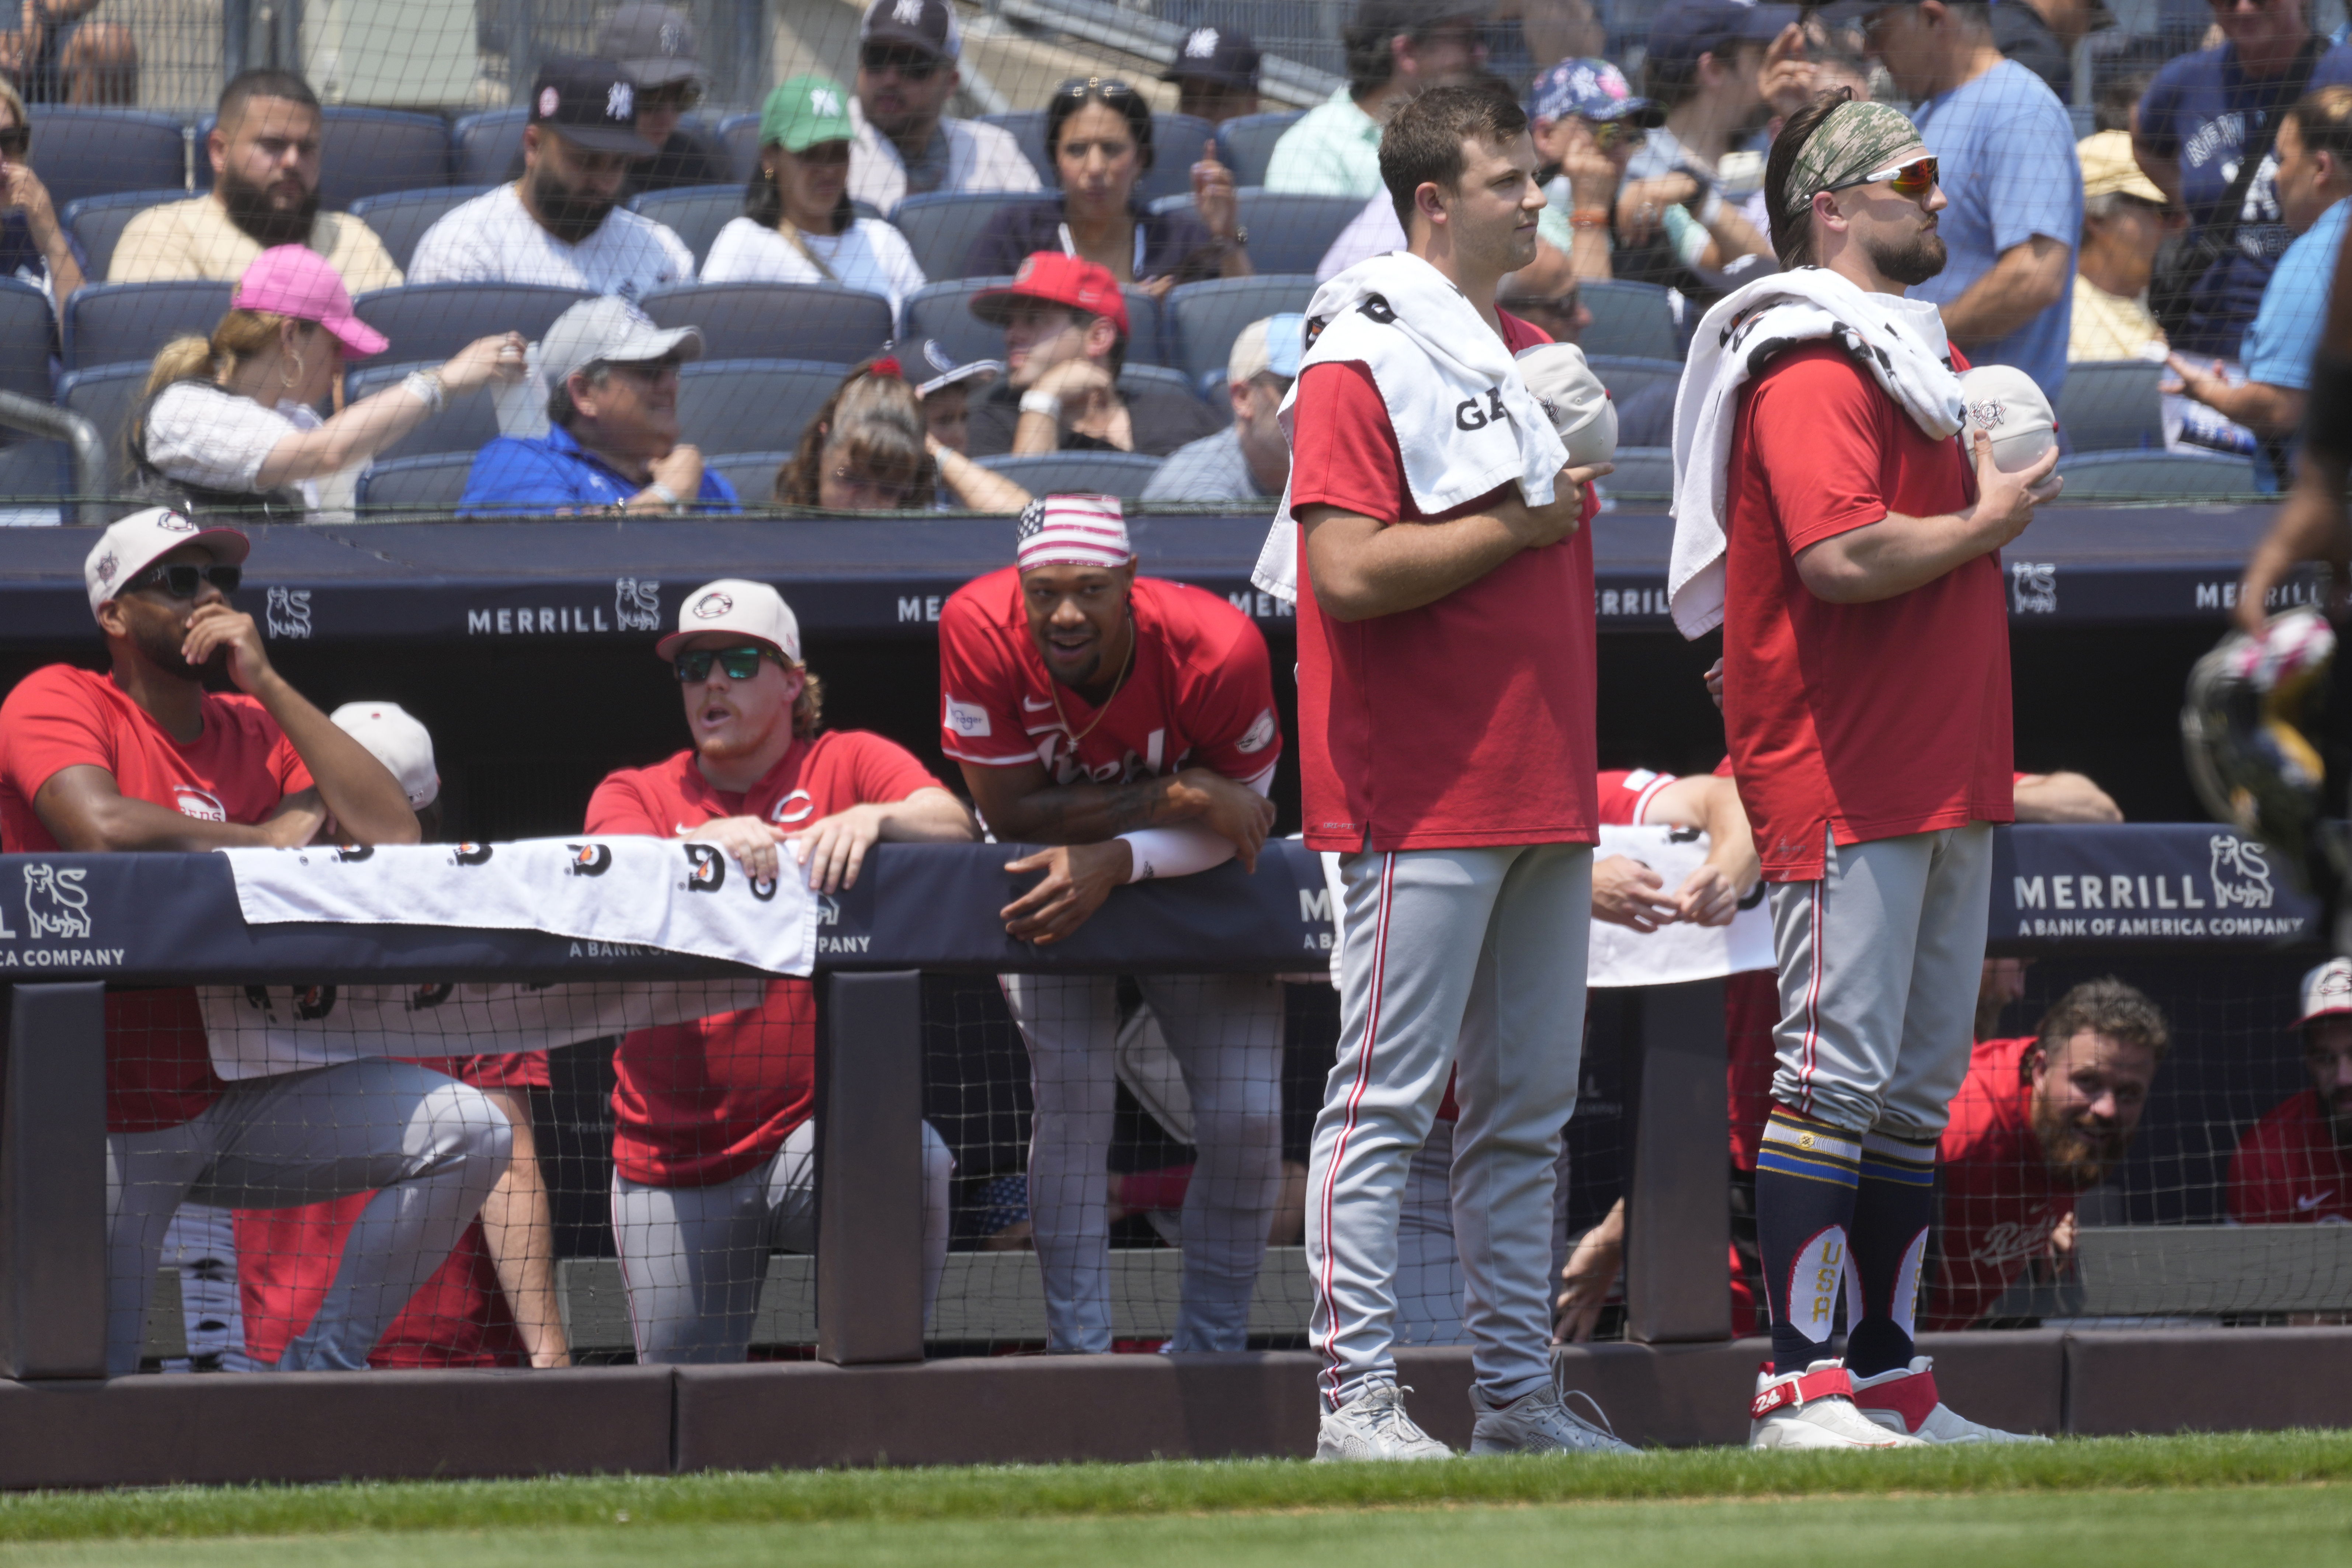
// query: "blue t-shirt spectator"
[[2200, 111], [2008, 168], [2285, 335], [554, 473]]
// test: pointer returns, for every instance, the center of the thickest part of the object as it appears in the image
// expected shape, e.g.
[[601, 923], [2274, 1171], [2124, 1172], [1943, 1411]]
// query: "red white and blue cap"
[[1589, 90], [1073, 530], [2326, 991]]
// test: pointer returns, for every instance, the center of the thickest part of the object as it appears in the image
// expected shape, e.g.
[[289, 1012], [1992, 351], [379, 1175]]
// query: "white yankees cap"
[[136, 543], [394, 737], [1072, 530], [2326, 991], [733, 604]]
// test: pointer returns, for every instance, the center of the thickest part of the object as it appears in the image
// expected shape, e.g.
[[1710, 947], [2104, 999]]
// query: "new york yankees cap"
[[653, 43], [591, 104], [734, 605], [1225, 55], [136, 543], [925, 24]]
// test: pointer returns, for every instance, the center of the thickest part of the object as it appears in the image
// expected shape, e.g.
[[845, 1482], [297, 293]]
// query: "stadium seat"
[[364, 152], [1625, 376], [754, 474], [105, 395], [1645, 473], [433, 320], [695, 213], [2156, 476], [434, 479], [941, 228], [1289, 233], [740, 134], [777, 321], [466, 425], [1246, 145], [1176, 143], [98, 152], [1203, 319], [1122, 474], [401, 217], [483, 147], [1135, 378], [33, 470], [27, 330], [943, 313], [1630, 321], [752, 405], [2112, 405], [109, 322], [96, 223]]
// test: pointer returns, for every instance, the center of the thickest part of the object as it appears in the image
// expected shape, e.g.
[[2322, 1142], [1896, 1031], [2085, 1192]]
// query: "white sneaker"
[[1814, 1409], [1373, 1425], [1904, 1401], [1541, 1423]]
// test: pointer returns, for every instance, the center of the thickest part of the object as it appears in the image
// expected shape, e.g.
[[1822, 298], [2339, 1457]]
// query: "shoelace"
[[1599, 1418], [1390, 1414]]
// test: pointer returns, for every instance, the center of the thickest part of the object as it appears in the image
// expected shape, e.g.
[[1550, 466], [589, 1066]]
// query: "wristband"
[[425, 386], [1589, 218], [1035, 402], [2327, 416], [668, 496]]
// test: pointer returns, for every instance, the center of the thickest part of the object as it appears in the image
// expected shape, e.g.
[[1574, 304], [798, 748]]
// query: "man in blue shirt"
[[613, 442], [2008, 169]]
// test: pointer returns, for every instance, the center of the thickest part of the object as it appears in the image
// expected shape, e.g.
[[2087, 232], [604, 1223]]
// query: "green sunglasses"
[[739, 663]]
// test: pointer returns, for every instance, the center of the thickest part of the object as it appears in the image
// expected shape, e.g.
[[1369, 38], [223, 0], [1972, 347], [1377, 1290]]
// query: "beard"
[[1913, 261], [2078, 1154], [255, 211], [569, 217], [162, 645]]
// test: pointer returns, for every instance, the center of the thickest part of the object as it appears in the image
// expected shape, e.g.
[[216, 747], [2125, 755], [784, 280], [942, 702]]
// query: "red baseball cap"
[[1056, 279]]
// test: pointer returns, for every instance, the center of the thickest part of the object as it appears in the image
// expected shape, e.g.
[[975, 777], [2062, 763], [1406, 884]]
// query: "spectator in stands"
[[57, 55], [947, 396], [1645, 415], [1588, 127], [870, 449], [1065, 337], [714, 1145], [562, 224], [2041, 36], [654, 45], [1248, 460], [1706, 64], [907, 145], [1395, 48], [231, 421], [1216, 73], [2201, 115], [2125, 218], [264, 147], [612, 441], [1098, 135], [797, 225], [1555, 30], [2006, 154], [141, 757], [2295, 1166], [34, 247], [2315, 175]]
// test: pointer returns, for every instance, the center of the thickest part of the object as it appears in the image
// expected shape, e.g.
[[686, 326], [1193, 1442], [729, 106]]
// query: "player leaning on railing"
[[143, 758]]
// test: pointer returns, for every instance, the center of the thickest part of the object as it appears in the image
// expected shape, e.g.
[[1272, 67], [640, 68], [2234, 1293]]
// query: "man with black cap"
[[562, 224], [1216, 73], [655, 47], [907, 54]]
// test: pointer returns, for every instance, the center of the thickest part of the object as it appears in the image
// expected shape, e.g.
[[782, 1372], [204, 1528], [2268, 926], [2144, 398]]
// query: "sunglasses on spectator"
[[739, 663], [679, 95], [1610, 134], [182, 580], [1108, 89], [912, 63], [15, 140], [1913, 179]]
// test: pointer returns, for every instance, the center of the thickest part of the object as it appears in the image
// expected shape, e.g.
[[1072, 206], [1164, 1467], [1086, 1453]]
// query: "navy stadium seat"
[[431, 322], [105, 395], [97, 151], [1645, 473], [1203, 320], [1289, 232], [1122, 474], [754, 474], [941, 229], [34, 471], [466, 425], [109, 322], [98, 222], [751, 405], [1630, 321], [740, 134], [942, 312], [2112, 405], [364, 152], [1176, 143], [401, 217], [777, 321], [27, 330], [1624, 375], [695, 213], [1135, 378], [483, 147], [436, 479], [1246, 145], [2156, 476]]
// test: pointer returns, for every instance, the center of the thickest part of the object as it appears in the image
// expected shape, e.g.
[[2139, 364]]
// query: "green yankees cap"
[[804, 111]]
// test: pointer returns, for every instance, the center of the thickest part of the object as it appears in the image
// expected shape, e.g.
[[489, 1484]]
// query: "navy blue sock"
[[1894, 1205], [1806, 1170]]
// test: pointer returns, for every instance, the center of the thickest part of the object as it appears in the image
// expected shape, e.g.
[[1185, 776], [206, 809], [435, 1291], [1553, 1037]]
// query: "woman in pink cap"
[[231, 421]]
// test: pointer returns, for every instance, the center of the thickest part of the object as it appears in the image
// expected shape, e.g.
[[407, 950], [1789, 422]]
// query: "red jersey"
[[286, 1260], [2289, 1169], [2001, 1200], [699, 1103], [159, 1071], [1868, 721], [1199, 691], [1467, 721]]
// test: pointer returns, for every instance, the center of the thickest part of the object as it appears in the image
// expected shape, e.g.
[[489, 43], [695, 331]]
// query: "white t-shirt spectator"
[[869, 255], [963, 155], [492, 239], [200, 435]]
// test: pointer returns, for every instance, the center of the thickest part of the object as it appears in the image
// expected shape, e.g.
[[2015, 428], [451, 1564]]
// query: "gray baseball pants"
[[1880, 959], [1225, 1033], [1429, 1269], [1469, 962], [429, 1147], [693, 1259]]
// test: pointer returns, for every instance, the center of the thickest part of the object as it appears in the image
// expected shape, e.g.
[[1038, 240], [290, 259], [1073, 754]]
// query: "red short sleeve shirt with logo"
[[2001, 1200], [1864, 720], [699, 1103], [1198, 694], [2289, 1169], [159, 1071], [1467, 721]]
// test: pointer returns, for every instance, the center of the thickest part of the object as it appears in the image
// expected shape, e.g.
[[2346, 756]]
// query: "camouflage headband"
[[1854, 140]]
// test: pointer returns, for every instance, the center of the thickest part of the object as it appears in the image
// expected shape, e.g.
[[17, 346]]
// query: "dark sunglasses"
[[15, 140], [739, 663], [182, 580], [677, 95], [912, 63], [1109, 88], [1610, 134]]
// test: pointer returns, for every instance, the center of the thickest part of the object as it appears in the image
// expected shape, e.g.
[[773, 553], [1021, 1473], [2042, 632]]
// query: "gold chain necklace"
[[1054, 690]]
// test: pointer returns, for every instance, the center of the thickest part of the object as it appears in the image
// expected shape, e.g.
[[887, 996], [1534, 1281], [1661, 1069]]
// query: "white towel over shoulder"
[[1465, 420], [1900, 341]]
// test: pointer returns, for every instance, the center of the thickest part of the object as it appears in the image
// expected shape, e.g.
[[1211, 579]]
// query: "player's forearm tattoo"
[[1087, 814]]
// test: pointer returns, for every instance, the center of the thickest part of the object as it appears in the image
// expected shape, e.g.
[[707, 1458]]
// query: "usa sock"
[[1805, 1174], [1893, 1208]]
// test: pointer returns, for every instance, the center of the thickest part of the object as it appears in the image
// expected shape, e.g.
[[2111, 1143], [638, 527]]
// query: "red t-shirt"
[[1467, 721], [1873, 720], [159, 1072], [699, 1103], [286, 1260], [2001, 1200], [1200, 691], [2290, 1170]]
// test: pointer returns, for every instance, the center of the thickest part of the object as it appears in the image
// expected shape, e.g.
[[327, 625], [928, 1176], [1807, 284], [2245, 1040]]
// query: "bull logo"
[[471, 855], [55, 902], [828, 909], [636, 603], [2242, 876], [587, 859], [707, 871]]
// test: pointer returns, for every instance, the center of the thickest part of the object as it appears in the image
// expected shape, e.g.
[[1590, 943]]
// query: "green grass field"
[[2270, 1499]]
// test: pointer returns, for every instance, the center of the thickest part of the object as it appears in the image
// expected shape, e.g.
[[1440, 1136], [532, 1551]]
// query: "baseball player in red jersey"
[[1129, 723], [143, 758], [714, 1151], [1445, 649], [2295, 1166]]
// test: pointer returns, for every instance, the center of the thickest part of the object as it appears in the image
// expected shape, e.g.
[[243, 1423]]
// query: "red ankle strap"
[[1793, 1391], [1912, 1396]]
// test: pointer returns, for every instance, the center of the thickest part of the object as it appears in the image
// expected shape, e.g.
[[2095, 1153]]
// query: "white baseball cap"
[[732, 605], [611, 329], [1581, 413], [136, 543], [397, 741], [2326, 991]]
